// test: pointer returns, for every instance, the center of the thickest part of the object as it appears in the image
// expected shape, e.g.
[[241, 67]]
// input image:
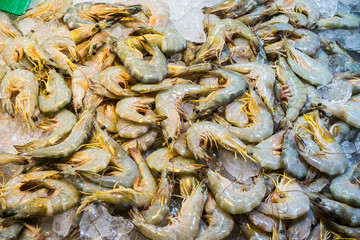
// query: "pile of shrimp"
[[232, 130]]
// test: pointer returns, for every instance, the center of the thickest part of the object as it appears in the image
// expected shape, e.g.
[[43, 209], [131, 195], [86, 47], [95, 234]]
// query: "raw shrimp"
[[160, 86], [235, 115], [64, 196], [145, 72], [14, 52], [262, 221], [165, 158], [353, 232], [159, 12], [125, 170], [10, 232], [62, 123], [89, 13], [240, 51], [130, 129], [142, 193], [81, 34], [233, 197], [88, 186], [145, 141], [294, 91], [88, 160], [271, 33], [129, 109], [234, 87], [56, 94], [331, 158], [259, 121], [345, 188], [215, 41], [264, 79], [188, 72], [24, 84], [348, 112], [282, 18], [89, 47], [78, 136], [6, 27], [290, 157], [341, 20], [300, 228], [220, 222], [168, 40], [54, 46], [209, 131], [169, 104], [115, 79], [185, 226], [309, 8], [233, 8], [287, 202], [336, 210], [339, 130], [47, 10], [106, 117], [181, 147], [159, 207], [268, 152], [309, 69], [250, 230]]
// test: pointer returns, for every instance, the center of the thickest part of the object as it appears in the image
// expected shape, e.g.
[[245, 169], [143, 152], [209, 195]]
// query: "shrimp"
[[159, 207], [145, 72], [9, 232], [294, 91], [215, 41], [220, 222], [259, 121], [263, 77], [310, 9], [337, 210], [185, 226], [189, 72], [271, 33], [209, 131], [164, 158], [345, 188], [310, 70], [89, 160], [125, 169], [89, 47], [6, 27], [54, 46], [115, 79], [233, 8], [106, 117], [341, 20], [353, 232], [130, 129], [180, 146], [268, 151], [78, 136], [169, 103], [235, 198], [339, 130], [290, 158], [88, 186], [287, 202], [168, 40], [62, 124], [24, 84], [165, 84], [235, 115], [129, 109], [240, 51], [81, 34], [331, 158], [282, 18], [348, 112], [88, 13], [234, 87], [56, 94], [300, 228], [47, 10], [64, 196], [142, 193], [262, 221], [145, 141], [250, 230], [12, 193], [159, 12]]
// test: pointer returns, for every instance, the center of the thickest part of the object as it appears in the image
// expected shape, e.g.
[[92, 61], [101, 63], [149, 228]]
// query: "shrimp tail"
[[65, 168], [13, 158], [157, 118], [36, 144]]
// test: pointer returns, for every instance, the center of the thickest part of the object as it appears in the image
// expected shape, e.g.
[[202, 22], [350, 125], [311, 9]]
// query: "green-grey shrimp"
[[341, 20], [144, 142], [106, 116]]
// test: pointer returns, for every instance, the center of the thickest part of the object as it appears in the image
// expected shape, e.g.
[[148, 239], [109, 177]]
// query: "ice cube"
[[96, 224], [327, 8], [190, 25], [338, 92], [349, 148], [63, 222]]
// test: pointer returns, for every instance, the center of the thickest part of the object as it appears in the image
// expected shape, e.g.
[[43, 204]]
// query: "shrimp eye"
[[35, 118], [24, 171], [207, 166], [73, 60], [255, 88], [290, 128], [197, 111], [250, 154], [169, 173], [94, 52], [319, 104], [96, 202], [281, 232], [352, 181], [170, 140], [97, 26], [103, 127], [78, 110], [317, 200], [32, 30]]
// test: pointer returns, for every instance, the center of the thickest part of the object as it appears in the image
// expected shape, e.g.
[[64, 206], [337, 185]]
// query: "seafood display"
[[235, 137]]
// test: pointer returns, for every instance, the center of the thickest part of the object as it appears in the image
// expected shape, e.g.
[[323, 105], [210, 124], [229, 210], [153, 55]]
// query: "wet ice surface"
[[327, 8], [338, 92], [349, 148], [97, 224]]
